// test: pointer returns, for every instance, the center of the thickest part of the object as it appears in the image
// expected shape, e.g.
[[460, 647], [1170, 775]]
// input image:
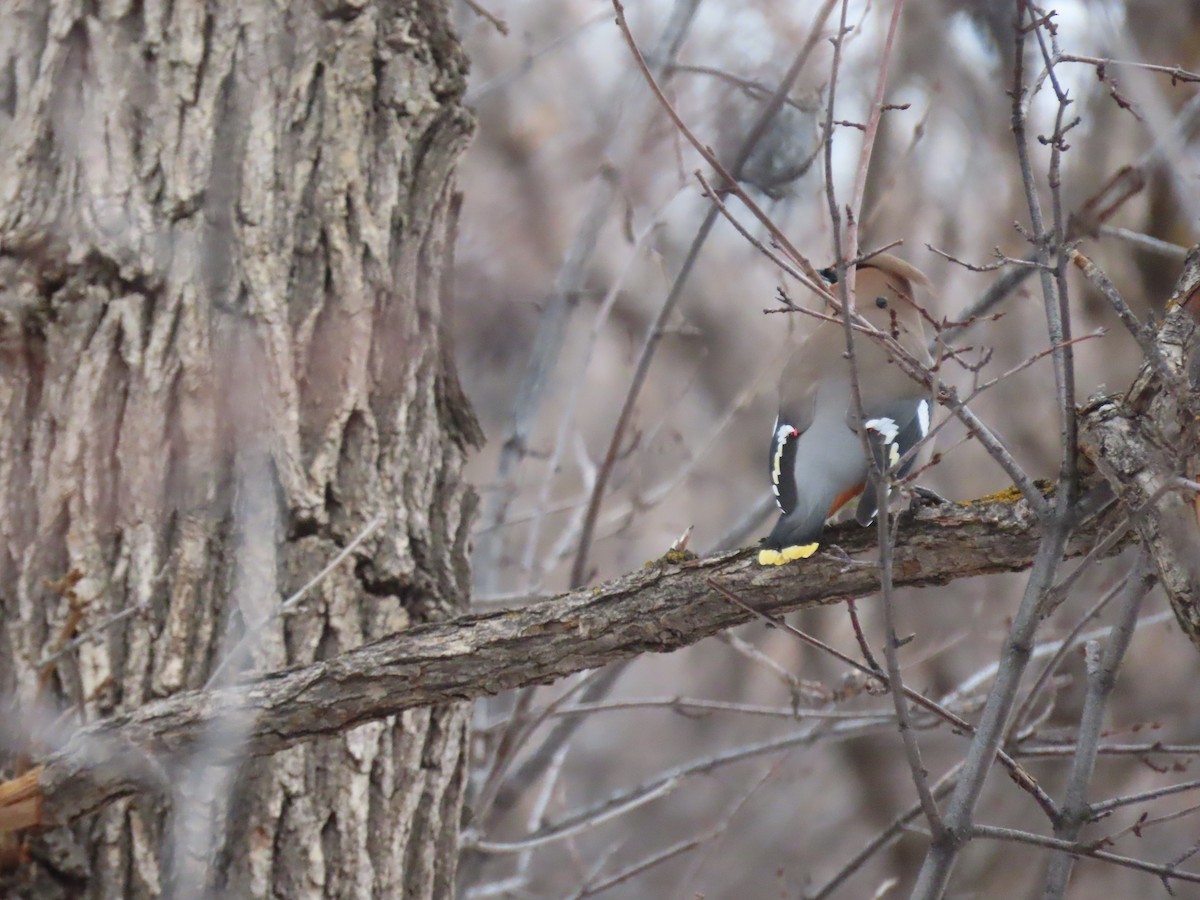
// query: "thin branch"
[[912, 750], [1060, 590], [694, 709], [881, 840], [550, 835], [1144, 337], [1047, 242], [1068, 643], [478, 94], [1090, 218], [939, 862], [1177, 74], [1064, 750], [1037, 840], [741, 530], [1101, 680], [753, 88], [660, 784], [1144, 241], [1018, 774], [591, 888], [846, 283], [236, 653], [1107, 806], [486, 14], [790, 681]]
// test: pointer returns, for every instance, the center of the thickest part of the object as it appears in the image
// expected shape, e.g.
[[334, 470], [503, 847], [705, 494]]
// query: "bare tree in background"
[[234, 576], [967, 138]]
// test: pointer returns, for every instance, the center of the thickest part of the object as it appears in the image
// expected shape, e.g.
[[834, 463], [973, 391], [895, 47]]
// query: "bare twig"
[[1146, 821], [881, 840], [1144, 241], [1064, 750], [751, 87], [1126, 183], [664, 782], [575, 826], [484, 13], [747, 525], [1019, 775], [944, 849], [591, 887], [1052, 242], [912, 750], [92, 633], [694, 708], [795, 687], [1102, 549], [1024, 837], [845, 284], [478, 94], [1100, 683], [1021, 716], [1177, 74], [1107, 806], [247, 640], [1140, 334], [566, 418]]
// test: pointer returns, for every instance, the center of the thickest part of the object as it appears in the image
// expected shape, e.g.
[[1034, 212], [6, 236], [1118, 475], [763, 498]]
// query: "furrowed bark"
[[223, 233]]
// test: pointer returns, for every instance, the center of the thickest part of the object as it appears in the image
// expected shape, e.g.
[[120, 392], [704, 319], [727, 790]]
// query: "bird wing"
[[893, 429], [795, 417]]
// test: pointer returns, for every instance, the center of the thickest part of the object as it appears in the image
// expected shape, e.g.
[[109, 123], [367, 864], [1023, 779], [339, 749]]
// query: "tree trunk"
[[224, 231]]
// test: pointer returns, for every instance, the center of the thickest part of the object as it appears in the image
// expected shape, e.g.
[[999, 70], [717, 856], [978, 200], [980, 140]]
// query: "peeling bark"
[[223, 233], [1145, 441]]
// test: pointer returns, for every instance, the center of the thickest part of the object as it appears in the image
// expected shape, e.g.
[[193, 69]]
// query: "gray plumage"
[[816, 460]]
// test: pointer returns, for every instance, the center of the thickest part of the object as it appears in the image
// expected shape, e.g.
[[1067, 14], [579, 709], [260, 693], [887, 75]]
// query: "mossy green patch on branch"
[[671, 556], [1011, 494]]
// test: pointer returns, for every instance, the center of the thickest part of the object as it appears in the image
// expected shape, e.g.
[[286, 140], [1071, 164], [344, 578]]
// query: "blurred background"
[[580, 208]]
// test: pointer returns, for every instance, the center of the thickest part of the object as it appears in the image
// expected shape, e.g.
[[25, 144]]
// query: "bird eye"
[[881, 302]]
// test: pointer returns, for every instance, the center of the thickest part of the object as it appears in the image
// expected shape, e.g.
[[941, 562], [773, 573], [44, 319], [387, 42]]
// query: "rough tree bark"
[[223, 233], [1143, 442]]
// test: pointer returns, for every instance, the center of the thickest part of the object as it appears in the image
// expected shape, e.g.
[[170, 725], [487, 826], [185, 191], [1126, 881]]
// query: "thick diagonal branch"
[[662, 607]]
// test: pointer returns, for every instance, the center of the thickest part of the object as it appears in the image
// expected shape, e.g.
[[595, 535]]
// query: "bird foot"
[[786, 555], [923, 496]]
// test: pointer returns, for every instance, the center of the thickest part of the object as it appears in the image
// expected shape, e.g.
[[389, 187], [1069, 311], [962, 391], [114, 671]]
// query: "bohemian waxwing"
[[817, 462]]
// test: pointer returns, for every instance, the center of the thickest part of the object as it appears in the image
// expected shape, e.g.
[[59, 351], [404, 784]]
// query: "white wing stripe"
[[885, 427], [782, 433]]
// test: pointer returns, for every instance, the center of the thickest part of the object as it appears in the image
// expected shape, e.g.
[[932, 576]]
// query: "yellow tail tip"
[[786, 555]]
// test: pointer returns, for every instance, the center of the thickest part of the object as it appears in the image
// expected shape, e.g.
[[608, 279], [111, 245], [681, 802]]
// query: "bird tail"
[[799, 527]]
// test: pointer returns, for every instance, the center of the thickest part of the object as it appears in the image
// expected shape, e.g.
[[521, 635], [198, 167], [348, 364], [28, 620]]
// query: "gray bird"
[[817, 462]]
